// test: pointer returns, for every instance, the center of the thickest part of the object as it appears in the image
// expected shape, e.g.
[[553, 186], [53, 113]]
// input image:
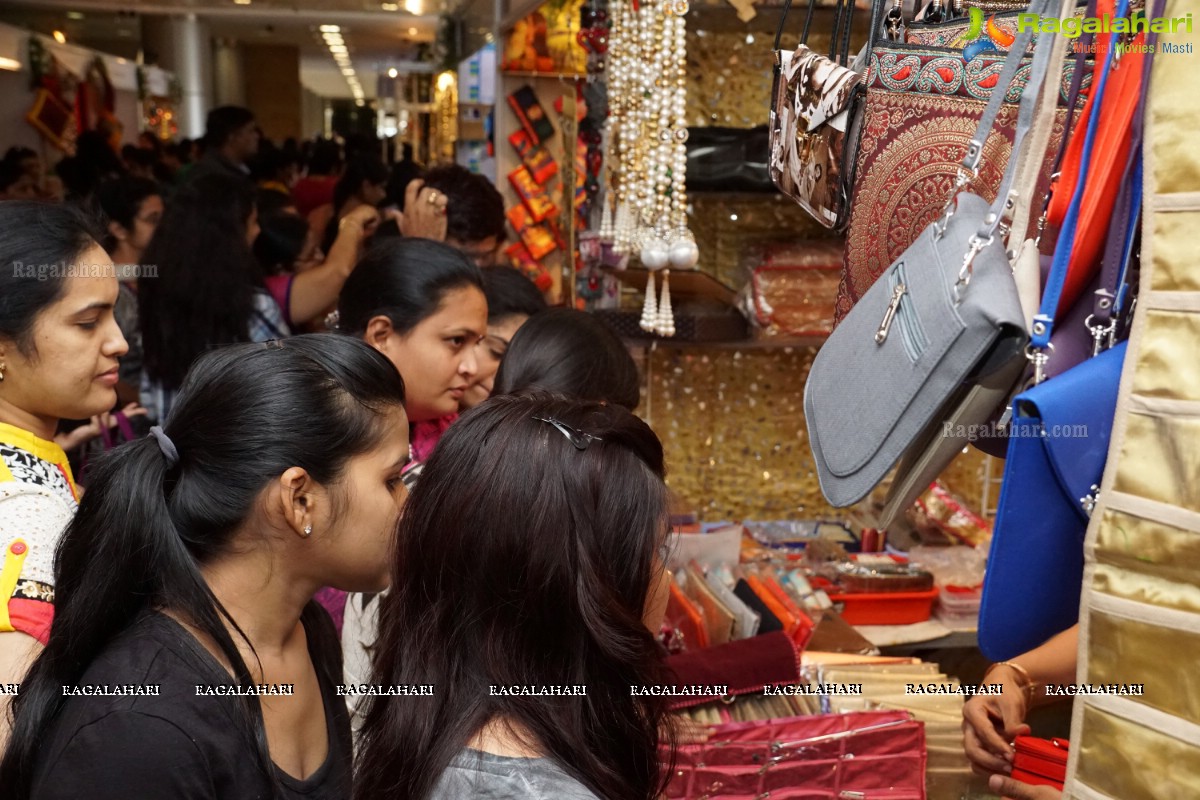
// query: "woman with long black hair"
[[551, 574], [194, 663], [207, 288]]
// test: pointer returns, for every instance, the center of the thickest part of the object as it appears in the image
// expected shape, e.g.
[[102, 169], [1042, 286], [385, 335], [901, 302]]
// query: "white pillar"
[[184, 47]]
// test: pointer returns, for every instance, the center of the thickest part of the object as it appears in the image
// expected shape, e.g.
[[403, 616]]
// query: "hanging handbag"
[[946, 309], [1034, 576], [813, 121], [972, 406], [921, 106], [1035, 566]]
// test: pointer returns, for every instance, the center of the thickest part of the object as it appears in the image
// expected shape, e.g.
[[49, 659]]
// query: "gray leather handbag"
[[943, 317]]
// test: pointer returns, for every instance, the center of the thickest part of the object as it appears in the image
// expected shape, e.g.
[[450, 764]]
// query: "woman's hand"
[[85, 433], [991, 722], [424, 214], [1015, 790], [364, 217]]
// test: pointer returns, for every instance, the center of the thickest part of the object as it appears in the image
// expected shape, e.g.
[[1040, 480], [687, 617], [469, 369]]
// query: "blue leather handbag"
[[1058, 443]]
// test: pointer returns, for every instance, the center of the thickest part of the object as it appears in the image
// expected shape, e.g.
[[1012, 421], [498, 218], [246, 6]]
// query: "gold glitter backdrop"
[[731, 420]]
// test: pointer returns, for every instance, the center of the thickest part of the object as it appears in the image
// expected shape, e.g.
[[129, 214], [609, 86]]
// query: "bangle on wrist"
[[1024, 680]]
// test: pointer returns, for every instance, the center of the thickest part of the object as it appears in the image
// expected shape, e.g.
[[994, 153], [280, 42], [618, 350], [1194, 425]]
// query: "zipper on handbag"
[[898, 290], [911, 331]]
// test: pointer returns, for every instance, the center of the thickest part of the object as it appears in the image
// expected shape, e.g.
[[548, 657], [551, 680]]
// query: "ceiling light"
[[413, 7], [334, 38], [392, 72], [60, 37], [338, 48], [10, 64], [412, 31], [74, 15], [359, 102], [389, 6], [330, 29], [241, 2]]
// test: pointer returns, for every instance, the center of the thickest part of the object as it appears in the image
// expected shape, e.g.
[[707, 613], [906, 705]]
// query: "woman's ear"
[[296, 500], [118, 231], [379, 333]]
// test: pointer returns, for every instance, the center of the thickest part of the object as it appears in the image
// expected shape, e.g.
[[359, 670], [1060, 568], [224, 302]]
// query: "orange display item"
[[687, 618], [804, 624], [886, 608], [532, 195]]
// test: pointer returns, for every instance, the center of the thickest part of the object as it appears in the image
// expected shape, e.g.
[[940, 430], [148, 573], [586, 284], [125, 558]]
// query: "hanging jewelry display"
[[645, 208]]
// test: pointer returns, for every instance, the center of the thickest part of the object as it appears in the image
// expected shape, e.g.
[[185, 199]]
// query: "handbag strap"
[[1085, 42], [1117, 248], [1043, 321], [1029, 98], [1034, 156], [808, 18]]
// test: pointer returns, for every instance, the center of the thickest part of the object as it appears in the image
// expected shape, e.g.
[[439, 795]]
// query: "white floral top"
[[38, 497]]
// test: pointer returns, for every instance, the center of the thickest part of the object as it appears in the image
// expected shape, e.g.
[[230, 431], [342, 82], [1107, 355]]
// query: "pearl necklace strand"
[[645, 208]]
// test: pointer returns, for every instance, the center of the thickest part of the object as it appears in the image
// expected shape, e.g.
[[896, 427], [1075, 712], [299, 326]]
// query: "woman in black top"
[[187, 659]]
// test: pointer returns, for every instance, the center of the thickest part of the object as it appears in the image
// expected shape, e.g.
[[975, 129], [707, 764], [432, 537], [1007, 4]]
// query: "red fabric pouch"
[[873, 754]]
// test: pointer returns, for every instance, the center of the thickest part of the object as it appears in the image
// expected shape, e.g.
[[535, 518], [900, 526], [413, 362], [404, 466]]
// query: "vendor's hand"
[[424, 212], [991, 722], [1015, 790]]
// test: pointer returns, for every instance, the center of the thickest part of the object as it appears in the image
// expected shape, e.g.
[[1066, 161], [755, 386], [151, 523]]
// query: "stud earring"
[[3, 367], [308, 530]]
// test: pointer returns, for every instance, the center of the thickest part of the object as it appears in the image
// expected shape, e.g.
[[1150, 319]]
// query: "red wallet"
[[1040, 762]]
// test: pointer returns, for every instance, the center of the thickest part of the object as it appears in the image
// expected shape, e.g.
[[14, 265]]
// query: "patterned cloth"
[[38, 497]]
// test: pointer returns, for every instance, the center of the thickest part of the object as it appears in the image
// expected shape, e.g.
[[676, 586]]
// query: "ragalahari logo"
[[983, 38]]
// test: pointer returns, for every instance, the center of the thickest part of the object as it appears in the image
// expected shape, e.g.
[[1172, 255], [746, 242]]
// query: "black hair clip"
[[576, 437]]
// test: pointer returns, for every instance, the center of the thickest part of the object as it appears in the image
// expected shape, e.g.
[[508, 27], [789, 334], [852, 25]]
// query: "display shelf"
[[506, 159]]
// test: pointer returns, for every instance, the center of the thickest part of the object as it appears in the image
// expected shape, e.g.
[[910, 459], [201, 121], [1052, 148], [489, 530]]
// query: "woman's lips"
[[109, 378]]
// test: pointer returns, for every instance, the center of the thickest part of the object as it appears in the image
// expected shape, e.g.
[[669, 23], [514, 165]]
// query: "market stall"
[[751, 196]]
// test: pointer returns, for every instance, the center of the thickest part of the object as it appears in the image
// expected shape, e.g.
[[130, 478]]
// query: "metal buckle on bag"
[[963, 179], [1038, 357], [894, 20], [1100, 333], [967, 270]]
